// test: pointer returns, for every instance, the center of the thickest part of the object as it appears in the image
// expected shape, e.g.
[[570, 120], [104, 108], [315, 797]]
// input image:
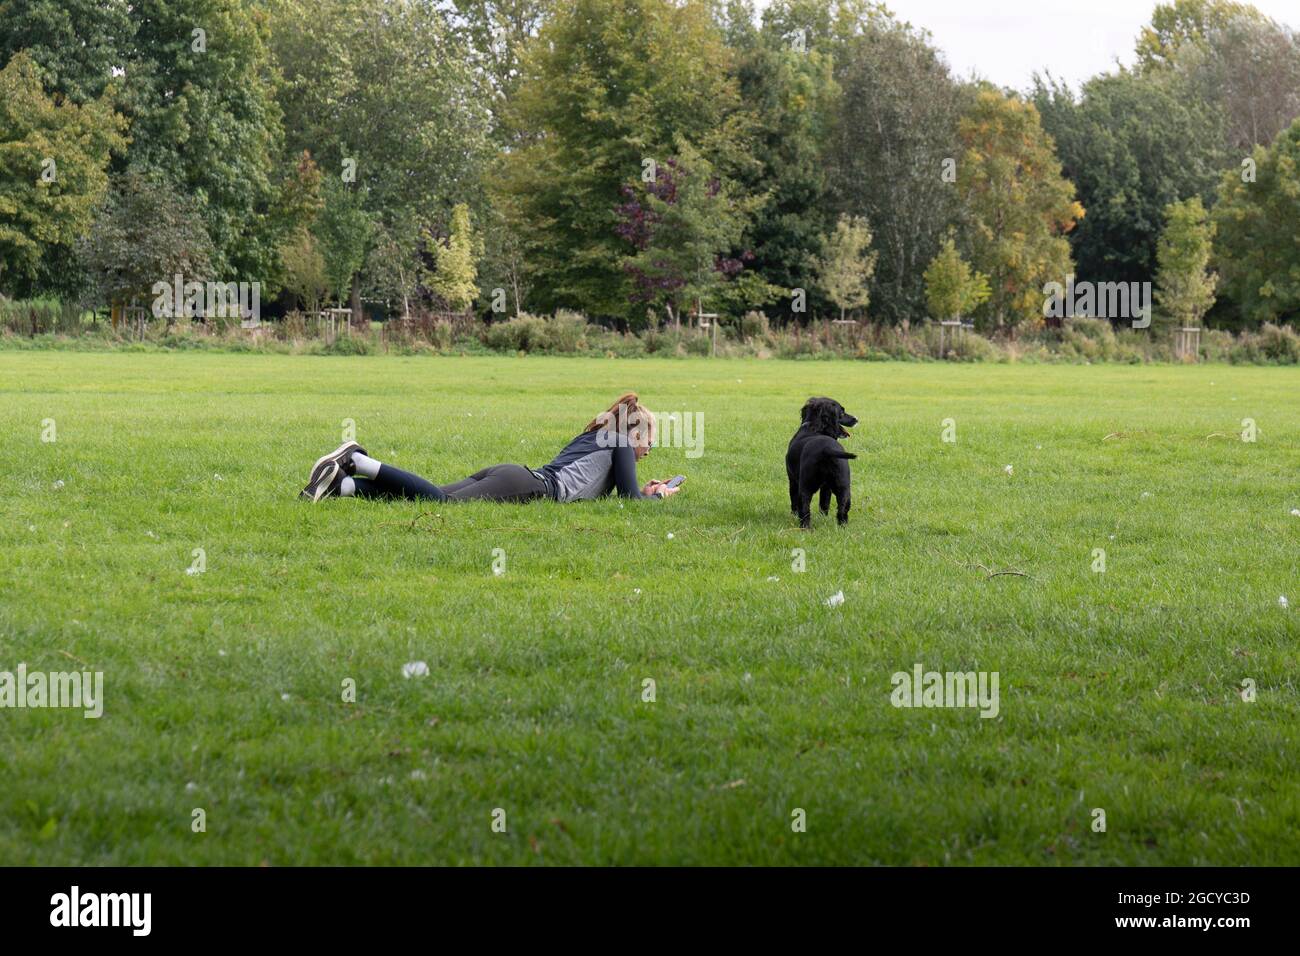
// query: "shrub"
[[1096, 330], [753, 325], [1279, 343], [524, 333], [40, 316], [1216, 345], [355, 344], [1082, 340], [1088, 340], [567, 332], [293, 327]]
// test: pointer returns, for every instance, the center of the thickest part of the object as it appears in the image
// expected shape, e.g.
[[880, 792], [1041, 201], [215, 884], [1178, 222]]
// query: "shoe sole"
[[325, 481], [317, 473]]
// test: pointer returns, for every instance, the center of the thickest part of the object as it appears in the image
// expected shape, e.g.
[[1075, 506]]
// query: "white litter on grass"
[[670, 536], [415, 669], [636, 590], [1009, 470], [191, 787], [774, 578], [1295, 512], [835, 600], [1282, 602], [284, 697], [31, 527], [58, 484], [1146, 494], [221, 653], [217, 478]]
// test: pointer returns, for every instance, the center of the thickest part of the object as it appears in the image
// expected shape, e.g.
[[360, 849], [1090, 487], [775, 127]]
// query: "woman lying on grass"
[[600, 460]]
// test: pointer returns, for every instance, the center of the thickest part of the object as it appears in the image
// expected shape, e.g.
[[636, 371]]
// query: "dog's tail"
[[840, 453]]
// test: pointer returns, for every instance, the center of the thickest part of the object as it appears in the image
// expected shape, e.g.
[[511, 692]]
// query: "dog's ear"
[[828, 420], [821, 416], [807, 411]]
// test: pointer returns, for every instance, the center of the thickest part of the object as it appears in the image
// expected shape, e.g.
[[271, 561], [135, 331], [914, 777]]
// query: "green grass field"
[[1119, 690]]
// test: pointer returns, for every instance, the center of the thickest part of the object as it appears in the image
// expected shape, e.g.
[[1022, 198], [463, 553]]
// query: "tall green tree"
[[1251, 67], [76, 44], [1184, 286], [455, 272], [846, 266], [504, 281], [385, 96], [892, 152], [825, 25], [147, 232], [679, 227], [1019, 206], [1256, 249], [952, 288], [54, 159], [609, 90], [1185, 22], [343, 230], [790, 96], [396, 265], [498, 31], [1232, 56], [1132, 143], [198, 93], [306, 277]]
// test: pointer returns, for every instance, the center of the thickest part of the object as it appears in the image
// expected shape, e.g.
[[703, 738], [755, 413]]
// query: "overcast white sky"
[[1007, 40]]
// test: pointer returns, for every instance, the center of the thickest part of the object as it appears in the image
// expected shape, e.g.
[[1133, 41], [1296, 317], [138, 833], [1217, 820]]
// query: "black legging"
[[498, 483]]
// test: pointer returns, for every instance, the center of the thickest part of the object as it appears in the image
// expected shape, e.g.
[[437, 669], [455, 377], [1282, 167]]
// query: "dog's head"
[[827, 417]]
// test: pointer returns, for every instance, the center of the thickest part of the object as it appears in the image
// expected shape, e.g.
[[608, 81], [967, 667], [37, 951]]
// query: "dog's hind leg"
[[824, 503], [842, 506], [794, 493], [805, 510]]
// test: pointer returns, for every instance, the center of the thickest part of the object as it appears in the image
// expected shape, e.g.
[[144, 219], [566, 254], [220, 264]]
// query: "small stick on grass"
[[988, 572]]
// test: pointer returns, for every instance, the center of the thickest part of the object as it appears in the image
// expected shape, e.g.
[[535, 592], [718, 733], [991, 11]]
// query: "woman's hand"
[[659, 487]]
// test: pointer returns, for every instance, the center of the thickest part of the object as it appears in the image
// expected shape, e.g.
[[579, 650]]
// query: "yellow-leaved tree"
[[1019, 205]]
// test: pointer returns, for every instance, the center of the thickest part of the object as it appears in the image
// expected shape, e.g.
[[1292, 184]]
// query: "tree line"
[[638, 160]]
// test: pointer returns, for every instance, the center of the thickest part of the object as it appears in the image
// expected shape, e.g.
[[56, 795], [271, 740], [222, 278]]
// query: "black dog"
[[815, 462]]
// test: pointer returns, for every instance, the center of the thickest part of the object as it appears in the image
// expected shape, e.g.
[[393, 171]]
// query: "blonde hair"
[[627, 416]]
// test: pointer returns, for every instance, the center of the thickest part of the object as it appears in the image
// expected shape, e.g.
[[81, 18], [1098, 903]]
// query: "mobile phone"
[[674, 481]]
